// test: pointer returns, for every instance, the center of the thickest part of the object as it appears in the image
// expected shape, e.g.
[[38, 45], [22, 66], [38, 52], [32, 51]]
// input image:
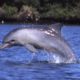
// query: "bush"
[[28, 11], [9, 10]]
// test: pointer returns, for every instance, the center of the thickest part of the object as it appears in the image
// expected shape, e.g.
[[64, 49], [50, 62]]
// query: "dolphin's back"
[[53, 28], [49, 29]]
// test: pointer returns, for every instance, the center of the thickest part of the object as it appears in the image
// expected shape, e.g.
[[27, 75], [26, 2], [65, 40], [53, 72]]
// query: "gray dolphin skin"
[[44, 38]]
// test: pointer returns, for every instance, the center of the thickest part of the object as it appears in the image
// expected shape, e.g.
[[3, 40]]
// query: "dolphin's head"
[[9, 41]]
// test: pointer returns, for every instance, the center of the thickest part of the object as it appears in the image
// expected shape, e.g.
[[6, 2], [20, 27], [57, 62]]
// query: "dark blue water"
[[14, 62]]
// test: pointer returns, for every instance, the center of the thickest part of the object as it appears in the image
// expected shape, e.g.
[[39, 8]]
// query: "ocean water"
[[14, 62]]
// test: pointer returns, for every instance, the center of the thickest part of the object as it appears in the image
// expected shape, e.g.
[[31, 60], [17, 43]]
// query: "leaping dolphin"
[[46, 38]]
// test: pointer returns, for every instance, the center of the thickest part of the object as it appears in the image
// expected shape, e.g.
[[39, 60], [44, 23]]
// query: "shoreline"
[[71, 21]]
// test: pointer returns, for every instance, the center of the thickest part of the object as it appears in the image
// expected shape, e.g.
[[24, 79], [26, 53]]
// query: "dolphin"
[[45, 38]]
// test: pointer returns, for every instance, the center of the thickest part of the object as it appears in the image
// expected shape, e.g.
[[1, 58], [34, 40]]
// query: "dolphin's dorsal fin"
[[56, 28]]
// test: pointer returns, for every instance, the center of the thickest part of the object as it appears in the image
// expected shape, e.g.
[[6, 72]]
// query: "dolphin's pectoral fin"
[[31, 48]]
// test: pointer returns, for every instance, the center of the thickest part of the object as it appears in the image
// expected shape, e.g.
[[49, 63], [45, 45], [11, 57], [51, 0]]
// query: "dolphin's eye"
[[11, 42]]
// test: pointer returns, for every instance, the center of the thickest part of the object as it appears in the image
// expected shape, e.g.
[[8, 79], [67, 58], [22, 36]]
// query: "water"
[[14, 61]]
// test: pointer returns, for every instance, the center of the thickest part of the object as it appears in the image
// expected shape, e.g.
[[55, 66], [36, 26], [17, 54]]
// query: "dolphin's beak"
[[5, 45]]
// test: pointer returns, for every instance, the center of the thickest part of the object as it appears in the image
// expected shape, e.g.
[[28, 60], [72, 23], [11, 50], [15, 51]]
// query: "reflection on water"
[[14, 61]]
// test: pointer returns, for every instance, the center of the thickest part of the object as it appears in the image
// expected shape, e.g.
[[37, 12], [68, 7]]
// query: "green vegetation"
[[9, 10], [40, 8]]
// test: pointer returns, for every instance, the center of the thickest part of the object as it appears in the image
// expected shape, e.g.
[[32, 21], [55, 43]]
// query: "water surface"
[[14, 61]]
